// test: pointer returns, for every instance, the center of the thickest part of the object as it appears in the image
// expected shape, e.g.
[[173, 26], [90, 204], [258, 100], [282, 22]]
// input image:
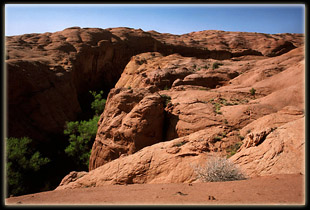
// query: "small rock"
[[180, 193], [211, 197]]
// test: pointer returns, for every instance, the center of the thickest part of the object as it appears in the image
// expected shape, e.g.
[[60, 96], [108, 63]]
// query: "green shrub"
[[231, 150], [218, 169], [81, 138], [216, 65], [166, 99], [166, 87], [82, 134], [142, 61], [179, 144], [252, 91], [217, 108], [22, 163], [205, 67], [99, 103], [216, 138]]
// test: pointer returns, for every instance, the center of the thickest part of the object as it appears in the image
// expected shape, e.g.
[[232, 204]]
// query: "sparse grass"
[[142, 61], [219, 102], [218, 169], [204, 88], [237, 101], [178, 144], [217, 108], [241, 137], [217, 138], [216, 65], [205, 67], [231, 150], [166, 99], [166, 88]]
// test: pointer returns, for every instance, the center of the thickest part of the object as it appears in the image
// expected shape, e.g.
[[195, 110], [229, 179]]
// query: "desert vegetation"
[[216, 65], [231, 150], [23, 163], [82, 133], [218, 169], [252, 91], [166, 99]]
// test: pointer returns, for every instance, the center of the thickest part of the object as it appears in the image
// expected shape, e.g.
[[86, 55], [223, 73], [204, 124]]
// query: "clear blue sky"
[[164, 18]]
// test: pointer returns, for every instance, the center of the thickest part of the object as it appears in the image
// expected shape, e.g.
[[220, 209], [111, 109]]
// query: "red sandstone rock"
[[91, 58], [282, 151], [132, 119], [169, 108]]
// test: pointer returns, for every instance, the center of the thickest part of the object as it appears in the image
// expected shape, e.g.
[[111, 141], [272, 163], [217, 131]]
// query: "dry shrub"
[[218, 169]]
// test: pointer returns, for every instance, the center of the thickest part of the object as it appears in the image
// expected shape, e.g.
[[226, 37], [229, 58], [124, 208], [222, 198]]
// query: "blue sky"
[[165, 18]]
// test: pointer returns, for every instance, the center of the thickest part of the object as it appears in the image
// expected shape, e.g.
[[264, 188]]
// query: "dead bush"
[[218, 169]]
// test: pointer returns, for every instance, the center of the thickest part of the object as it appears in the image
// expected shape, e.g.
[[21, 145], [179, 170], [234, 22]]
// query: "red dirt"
[[268, 190]]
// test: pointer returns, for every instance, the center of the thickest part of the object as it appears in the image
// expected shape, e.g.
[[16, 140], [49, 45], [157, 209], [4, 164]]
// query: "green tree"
[[83, 133], [22, 162], [99, 102], [81, 137]]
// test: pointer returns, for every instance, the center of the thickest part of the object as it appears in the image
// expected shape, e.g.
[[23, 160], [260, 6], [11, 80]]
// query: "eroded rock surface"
[[132, 119], [175, 100], [281, 152], [198, 105], [44, 70]]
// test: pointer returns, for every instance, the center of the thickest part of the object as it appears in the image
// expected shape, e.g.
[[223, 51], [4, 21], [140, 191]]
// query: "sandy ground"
[[268, 190]]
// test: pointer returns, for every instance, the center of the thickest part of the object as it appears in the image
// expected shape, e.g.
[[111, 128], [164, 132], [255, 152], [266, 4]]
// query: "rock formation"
[[199, 105], [44, 70], [173, 100]]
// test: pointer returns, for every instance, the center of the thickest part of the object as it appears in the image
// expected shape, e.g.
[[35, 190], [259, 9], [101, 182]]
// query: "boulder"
[[274, 146]]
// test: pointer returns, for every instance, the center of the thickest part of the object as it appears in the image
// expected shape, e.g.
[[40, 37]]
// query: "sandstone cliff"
[[173, 100], [44, 70]]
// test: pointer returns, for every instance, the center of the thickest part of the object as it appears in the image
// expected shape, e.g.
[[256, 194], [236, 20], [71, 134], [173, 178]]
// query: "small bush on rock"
[[252, 91], [216, 65], [218, 169], [166, 99]]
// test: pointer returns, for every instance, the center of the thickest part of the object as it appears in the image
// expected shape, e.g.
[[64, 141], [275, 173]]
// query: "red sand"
[[268, 190]]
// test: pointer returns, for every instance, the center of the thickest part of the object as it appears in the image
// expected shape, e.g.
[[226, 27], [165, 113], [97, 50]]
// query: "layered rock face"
[[175, 99], [50, 74], [133, 119], [44, 70], [197, 104]]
